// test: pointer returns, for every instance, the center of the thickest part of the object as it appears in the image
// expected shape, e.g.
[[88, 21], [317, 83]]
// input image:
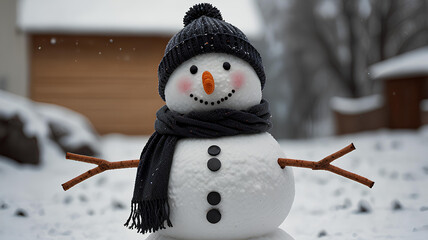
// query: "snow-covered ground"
[[34, 206]]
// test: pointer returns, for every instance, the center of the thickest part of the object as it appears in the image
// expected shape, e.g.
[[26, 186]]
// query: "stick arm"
[[103, 165], [324, 164]]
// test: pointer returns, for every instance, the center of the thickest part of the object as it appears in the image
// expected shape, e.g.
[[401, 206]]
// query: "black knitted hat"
[[205, 31]]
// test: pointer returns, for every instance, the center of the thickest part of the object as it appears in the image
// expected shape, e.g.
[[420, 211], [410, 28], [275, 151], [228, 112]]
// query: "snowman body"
[[228, 188]]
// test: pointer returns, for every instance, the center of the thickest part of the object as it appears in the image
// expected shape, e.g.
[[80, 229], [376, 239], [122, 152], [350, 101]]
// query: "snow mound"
[[13, 105], [28, 129], [72, 131]]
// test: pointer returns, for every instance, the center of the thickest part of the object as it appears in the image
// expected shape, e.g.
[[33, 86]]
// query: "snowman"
[[210, 170], [224, 180], [228, 187]]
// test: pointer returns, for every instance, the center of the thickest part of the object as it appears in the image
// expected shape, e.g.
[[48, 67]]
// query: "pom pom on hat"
[[199, 10]]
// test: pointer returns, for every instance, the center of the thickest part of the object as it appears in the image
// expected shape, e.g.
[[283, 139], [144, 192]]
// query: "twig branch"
[[103, 165], [324, 164]]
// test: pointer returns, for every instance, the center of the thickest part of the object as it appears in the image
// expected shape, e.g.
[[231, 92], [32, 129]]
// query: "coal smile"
[[221, 100]]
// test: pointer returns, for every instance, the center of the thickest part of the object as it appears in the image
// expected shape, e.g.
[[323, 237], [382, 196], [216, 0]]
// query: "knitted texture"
[[205, 31]]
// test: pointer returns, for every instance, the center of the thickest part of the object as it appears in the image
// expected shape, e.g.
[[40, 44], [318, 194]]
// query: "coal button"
[[213, 216], [214, 164], [214, 150], [213, 198]]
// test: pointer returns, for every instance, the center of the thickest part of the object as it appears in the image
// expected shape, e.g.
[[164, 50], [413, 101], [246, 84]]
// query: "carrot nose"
[[208, 82]]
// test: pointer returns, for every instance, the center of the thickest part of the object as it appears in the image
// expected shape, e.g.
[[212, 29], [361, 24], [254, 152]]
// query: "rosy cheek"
[[184, 85], [238, 79]]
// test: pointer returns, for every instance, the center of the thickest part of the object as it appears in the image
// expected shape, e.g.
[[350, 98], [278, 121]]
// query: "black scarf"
[[150, 208]]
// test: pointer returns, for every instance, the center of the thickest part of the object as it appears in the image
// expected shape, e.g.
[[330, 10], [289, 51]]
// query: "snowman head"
[[210, 81], [210, 64]]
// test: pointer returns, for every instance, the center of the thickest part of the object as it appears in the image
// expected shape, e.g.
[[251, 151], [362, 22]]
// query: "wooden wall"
[[403, 96], [112, 80], [366, 121]]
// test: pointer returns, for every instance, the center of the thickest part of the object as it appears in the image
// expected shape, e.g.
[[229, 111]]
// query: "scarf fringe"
[[149, 216]]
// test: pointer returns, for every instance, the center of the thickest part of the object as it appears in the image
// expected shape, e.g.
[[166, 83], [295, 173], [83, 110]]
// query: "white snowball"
[[256, 194], [184, 90]]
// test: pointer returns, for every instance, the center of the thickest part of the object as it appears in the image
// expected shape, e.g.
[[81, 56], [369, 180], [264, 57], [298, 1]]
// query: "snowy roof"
[[160, 17], [356, 105], [413, 63]]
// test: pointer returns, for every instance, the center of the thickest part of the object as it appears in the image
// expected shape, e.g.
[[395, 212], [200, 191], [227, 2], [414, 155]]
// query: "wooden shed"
[[100, 58], [405, 86], [402, 104]]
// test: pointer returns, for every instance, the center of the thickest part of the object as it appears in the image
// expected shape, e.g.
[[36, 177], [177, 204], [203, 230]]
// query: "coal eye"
[[226, 66], [193, 69]]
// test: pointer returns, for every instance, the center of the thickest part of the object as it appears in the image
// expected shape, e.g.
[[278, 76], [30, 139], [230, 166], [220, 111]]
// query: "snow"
[[40, 118], [163, 17], [79, 129], [356, 105], [412, 63], [11, 105], [424, 105], [325, 204]]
